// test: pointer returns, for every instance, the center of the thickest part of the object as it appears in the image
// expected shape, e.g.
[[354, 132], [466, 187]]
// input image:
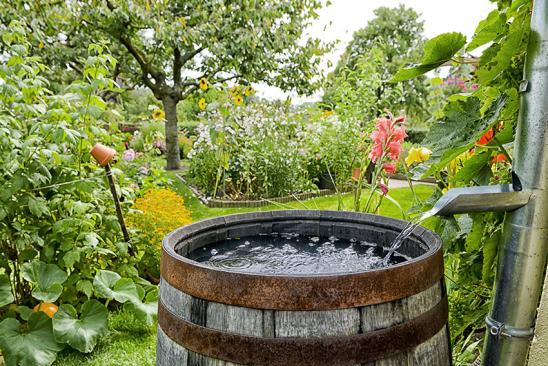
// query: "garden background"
[[172, 87]]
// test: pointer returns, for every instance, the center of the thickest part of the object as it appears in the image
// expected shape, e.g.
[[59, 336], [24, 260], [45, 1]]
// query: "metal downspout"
[[524, 248]]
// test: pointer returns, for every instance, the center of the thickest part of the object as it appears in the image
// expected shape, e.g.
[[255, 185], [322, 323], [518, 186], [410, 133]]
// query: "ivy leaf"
[[110, 285], [488, 29], [6, 297], [46, 278], [437, 51], [34, 346], [80, 333]]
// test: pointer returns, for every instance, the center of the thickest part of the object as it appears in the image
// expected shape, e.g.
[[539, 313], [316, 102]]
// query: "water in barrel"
[[291, 253]]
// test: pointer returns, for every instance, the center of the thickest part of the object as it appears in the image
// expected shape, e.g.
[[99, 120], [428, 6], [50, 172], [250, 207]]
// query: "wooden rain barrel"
[[390, 316]]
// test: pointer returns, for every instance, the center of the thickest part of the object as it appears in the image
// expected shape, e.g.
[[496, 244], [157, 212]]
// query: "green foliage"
[[437, 51], [57, 224], [375, 53], [218, 40], [473, 129], [33, 346], [82, 332]]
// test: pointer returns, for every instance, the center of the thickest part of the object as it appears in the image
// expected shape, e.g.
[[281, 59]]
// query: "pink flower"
[[387, 138], [129, 155], [389, 168], [394, 149], [384, 189]]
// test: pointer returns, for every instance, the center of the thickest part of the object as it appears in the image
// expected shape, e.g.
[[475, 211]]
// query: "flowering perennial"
[[387, 138]]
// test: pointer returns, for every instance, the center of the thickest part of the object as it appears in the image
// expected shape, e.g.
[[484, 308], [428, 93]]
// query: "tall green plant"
[[59, 237]]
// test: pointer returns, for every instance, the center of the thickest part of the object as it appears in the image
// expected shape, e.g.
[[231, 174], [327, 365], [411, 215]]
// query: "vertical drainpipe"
[[524, 248]]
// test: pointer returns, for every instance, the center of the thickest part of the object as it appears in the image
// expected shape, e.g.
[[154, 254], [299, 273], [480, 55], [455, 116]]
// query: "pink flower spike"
[[398, 134], [394, 149], [384, 189], [389, 168], [376, 152]]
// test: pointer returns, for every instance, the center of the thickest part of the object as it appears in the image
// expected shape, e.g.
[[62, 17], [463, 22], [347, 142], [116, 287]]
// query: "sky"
[[343, 17]]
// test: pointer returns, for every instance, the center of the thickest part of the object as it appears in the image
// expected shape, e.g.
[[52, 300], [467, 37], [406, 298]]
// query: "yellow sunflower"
[[203, 84], [249, 91], [235, 91], [158, 115], [238, 100], [202, 104]]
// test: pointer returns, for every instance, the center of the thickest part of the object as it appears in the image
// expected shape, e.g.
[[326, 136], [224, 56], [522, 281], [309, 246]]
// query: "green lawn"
[[131, 343]]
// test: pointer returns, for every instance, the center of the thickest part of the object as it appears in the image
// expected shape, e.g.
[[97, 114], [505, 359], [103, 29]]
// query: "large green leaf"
[[110, 285], [488, 29], [461, 127], [437, 51], [47, 280], [32, 344], [476, 169], [80, 333], [6, 297], [499, 55], [146, 309]]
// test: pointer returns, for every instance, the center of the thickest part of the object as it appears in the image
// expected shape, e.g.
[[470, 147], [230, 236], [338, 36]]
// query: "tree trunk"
[[172, 144]]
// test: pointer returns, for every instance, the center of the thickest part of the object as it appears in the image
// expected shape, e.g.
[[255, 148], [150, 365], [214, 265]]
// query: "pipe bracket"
[[498, 329]]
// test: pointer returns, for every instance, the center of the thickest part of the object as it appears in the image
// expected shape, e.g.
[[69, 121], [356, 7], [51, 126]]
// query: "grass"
[[132, 343]]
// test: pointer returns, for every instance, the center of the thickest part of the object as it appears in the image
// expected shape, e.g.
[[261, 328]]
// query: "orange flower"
[[487, 136]]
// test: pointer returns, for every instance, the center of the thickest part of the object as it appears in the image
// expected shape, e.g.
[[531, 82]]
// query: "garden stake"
[[104, 155]]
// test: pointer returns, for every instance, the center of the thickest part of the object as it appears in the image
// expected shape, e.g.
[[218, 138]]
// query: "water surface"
[[289, 253]]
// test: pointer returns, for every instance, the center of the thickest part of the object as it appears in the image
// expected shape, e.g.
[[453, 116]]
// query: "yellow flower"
[[238, 100], [202, 104], [249, 91], [41, 45], [158, 115], [203, 84], [328, 113], [235, 91], [417, 155]]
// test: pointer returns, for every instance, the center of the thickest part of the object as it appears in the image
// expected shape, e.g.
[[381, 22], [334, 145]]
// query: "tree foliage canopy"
[[168, 46], [395, 33]]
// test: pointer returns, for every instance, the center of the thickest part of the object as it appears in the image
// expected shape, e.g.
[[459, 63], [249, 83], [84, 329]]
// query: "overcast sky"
[[347, 16]]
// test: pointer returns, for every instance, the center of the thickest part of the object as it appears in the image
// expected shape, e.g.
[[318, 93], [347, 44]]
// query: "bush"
[[155, 214]]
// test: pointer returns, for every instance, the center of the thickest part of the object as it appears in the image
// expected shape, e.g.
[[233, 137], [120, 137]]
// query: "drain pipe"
[[524, 248]]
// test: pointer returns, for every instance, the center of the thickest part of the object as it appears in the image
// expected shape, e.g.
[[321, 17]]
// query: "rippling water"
[[293, 254]]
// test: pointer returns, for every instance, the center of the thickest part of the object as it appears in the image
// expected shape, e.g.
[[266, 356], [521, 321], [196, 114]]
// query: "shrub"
[[155, 214]]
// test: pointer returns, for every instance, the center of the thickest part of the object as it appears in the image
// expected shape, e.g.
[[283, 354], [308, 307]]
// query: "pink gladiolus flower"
[[387, 138], [389, 167]]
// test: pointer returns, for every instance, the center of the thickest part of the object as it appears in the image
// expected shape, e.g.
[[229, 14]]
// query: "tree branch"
[[177, 65]]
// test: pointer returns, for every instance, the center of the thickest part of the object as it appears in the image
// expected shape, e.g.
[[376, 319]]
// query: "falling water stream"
[[405, 233]]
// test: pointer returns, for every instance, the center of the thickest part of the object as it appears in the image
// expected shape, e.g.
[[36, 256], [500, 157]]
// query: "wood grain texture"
[[268, 323]]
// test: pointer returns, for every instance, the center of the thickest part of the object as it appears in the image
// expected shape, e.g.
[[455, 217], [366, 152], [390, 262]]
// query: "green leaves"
[[498, 57], [30, 345], [110, 285], [437, 51], [143, 305], [462, 125], [6, 296], [46, 279], [81, 332], [488, 29]]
